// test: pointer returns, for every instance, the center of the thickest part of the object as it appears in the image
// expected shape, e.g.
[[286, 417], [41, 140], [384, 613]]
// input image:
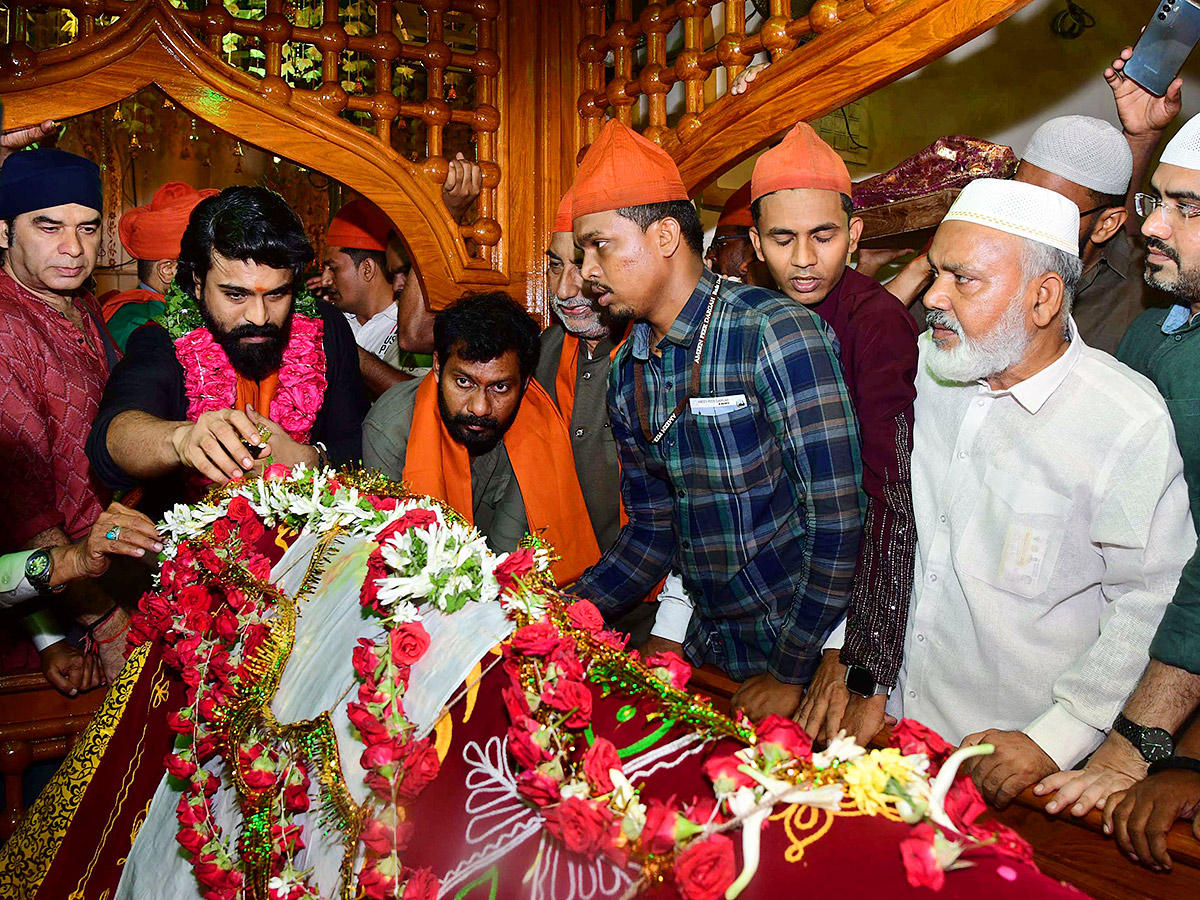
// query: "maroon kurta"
[[51, 380], [878, 348]]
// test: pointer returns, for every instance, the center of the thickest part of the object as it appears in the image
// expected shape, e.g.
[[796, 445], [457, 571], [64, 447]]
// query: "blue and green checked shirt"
[[758, 507]]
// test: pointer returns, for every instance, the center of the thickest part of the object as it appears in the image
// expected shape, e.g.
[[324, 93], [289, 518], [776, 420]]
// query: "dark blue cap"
[[41, 179]]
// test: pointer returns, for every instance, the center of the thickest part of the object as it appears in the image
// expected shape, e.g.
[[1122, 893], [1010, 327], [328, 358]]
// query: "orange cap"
[[736, 213], [800, 160], [622, 169], [359, 225], [562, 221], [153, 231]]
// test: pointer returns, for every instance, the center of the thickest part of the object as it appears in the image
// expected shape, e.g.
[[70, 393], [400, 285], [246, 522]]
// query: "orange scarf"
[[258, 394], [564, 390], [540, 452], [134, 295]]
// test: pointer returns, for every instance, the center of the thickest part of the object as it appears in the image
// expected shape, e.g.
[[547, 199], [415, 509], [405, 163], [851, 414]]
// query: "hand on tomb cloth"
[[1016, 763], [1115, 766], [1142, 114], [70, 670], [761, 695], [829, 706], [1141, 817]]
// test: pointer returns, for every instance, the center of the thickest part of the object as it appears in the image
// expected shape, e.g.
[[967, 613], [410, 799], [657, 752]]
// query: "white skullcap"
[[1090, 152], [1025, 210], [1184, 149]]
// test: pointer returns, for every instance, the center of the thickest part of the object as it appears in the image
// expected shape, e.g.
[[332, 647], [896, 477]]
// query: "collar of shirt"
[[1034, 391], [683, 329], [1180, 318], [1116, 256], [370, 334], [145, 287]]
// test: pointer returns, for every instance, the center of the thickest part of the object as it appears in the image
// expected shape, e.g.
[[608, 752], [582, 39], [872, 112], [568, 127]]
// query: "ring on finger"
[[113, 533]]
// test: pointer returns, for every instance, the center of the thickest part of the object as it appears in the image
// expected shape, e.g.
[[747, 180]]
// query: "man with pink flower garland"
[[246, 367]]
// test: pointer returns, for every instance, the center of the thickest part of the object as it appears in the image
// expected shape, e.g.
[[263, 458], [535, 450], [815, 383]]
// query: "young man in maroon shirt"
[[805, 230]]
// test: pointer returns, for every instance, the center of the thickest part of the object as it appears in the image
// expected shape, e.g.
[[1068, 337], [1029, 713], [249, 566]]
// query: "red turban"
[[359, 225], [800, 160], [153, 232], [622, 169], [736, 213], [562, 221]]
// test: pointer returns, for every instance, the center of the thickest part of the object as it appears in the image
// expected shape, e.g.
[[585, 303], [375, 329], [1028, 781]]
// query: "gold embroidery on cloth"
[[26, 856]]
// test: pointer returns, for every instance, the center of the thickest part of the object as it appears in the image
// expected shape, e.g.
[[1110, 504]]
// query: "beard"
[[476, 442], [1184, 286], [592, 328], [253, 361], [991, 354]]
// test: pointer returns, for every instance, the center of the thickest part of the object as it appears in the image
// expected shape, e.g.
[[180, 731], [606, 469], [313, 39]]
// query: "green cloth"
[[1172, 362], [130, 317]]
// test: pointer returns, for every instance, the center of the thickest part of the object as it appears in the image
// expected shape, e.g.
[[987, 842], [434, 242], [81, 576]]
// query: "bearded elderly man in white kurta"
[[1052, 514]]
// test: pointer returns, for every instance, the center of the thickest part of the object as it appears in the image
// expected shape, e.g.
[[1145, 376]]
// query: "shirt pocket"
[[1014, 535], [730, 455]]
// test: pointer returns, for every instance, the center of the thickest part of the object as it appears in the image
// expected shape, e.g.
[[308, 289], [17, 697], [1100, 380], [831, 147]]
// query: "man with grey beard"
[[1051, 510]]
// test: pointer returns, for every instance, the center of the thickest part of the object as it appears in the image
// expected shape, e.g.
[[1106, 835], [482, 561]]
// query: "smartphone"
[[1165, 45]]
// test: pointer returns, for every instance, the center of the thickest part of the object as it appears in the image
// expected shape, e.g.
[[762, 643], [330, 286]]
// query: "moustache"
[[597, 287], [1153, 243], [938, 318], [474, 421], [248, 331]]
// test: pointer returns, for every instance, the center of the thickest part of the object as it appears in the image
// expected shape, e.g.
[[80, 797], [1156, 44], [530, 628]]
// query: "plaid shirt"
[[758, 507]]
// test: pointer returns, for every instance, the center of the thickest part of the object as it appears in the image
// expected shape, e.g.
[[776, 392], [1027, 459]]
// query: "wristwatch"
[[1175, 762], [39, 567], [1155, 744], [859, 680]]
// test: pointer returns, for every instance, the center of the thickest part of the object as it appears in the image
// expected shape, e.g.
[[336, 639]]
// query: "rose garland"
[[220, 620]]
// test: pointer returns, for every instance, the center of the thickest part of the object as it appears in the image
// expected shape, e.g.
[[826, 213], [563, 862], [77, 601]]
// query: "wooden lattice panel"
[[354, 59]]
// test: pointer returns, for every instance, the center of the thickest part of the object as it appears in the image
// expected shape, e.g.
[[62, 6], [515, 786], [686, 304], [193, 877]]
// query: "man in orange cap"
[[805, 230], [356, 279], [737, 442], [731, 252], [151, 235]]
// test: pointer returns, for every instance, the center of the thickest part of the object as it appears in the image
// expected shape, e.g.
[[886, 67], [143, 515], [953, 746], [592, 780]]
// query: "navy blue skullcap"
[[41, 179]]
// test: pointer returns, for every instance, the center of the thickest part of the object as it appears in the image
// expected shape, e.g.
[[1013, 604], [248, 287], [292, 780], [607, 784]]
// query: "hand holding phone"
[[1165, 44]]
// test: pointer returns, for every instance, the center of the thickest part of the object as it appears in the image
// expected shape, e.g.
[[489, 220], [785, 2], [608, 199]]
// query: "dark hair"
[[245, 223], [1105, 201], [847, 207], [11, 223], [145, 269], [358, 257], [481, 327], [682, 211]]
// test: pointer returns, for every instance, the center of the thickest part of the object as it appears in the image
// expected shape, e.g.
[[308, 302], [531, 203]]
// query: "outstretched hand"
[[464, 181], [89, 558], [19, 138]]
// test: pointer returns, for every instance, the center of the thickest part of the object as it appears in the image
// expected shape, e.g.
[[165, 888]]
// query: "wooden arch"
[[147, 46]]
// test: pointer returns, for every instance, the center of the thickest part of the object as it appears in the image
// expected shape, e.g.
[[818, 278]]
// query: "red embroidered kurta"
[[51, 380]]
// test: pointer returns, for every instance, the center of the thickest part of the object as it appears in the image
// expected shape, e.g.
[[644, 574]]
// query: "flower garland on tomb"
[[229, 631], [210, 382]]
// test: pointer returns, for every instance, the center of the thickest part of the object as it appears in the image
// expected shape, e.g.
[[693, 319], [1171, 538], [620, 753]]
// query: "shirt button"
[[912, 694], [942, 519], [682, 493], [587, 376], [921, 638], [979, 402], [933, 576], [1179, 337], [686, 545], [578, 432], [962, 454]]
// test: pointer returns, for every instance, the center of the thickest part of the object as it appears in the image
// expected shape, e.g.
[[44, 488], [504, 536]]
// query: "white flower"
[[578, 789], [840, 749]]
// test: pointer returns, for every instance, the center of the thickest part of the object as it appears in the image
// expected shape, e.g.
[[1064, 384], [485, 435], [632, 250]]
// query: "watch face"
[[37, 565], [1156, 744], [859, 680]]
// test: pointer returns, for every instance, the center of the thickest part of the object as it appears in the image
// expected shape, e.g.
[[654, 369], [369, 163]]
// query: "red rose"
[[524, 749], [365, 658], [369, 594], [581, 825], [381, 838], [573, 697], [276, 471], [567, 660], [535, 639], [422, 884], [225, 624], [414, 518], [515, 702], [287, 837], [295, 797], [658, 834], [964, 805], [678, 672], [705, 869], [375, 884], [913, 737], [615, 639], [920, 860], [601, 757], [258, 566], [723, 772], [515, 565], [785, 734], [193, 841], [408, 642], [208, 559], [1008, 842], [367, 723], [385, 753], [583, 614], [192, 597], [537, 787], [180, 767], [223, 529], [420, 769]]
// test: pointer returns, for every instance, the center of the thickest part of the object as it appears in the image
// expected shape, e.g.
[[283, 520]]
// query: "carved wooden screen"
[[838, 51]]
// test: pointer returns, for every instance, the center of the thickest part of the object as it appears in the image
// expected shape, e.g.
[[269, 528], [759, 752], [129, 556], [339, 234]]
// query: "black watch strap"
[[1155, 744], [1175, 762], [39, 568]]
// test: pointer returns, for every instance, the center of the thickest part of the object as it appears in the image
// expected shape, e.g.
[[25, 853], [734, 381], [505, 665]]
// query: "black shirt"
[[150, 379]]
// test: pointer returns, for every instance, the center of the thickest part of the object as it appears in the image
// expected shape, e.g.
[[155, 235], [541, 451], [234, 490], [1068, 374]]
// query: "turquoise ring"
[[113, 533]]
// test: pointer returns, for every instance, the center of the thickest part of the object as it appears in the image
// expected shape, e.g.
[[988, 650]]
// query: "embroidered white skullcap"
[[1088, 151], [1184, 149], [1025, 210]]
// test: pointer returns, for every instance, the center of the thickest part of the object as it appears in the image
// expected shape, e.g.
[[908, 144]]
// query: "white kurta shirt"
[[1052, 524], [378, 334]]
